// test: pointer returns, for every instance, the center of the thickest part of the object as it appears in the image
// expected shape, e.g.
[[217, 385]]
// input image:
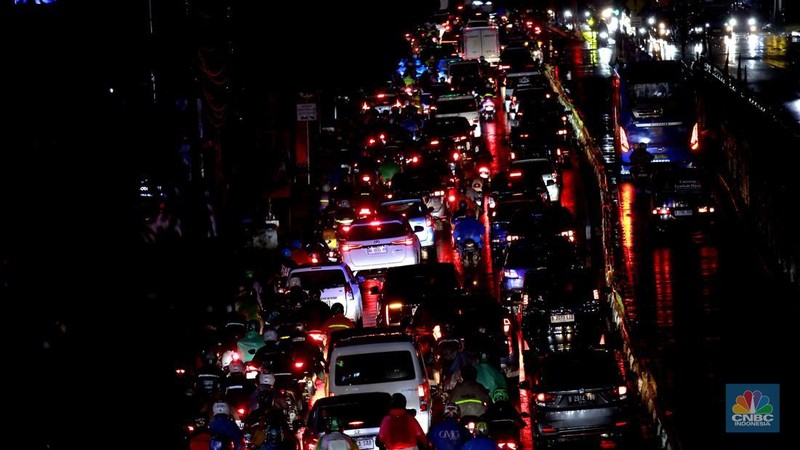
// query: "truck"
[[482, 41]]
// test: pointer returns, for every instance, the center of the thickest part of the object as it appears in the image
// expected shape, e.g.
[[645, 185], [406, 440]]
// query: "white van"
[[380, 360], [460, 105]]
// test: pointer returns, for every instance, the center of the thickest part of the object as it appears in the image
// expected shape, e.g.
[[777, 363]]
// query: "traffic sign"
[[306, 112]]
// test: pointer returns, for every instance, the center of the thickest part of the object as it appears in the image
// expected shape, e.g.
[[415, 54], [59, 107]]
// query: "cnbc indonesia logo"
[[753, 411]]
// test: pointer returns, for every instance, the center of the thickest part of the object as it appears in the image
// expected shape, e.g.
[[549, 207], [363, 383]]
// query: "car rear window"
[[567, 371], [451, 106], [371, 368], [380, 230], [408, 209], [352, 415], [319, 278]]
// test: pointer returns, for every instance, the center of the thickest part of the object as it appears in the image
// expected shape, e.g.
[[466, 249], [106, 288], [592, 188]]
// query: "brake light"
[[544, 398], [348, 247], [508, 445], [240, 411], [515, 174], [510, 273], [661, 211], [506, 325], [365, 178], [622, 392], [451, 198], [395, 305], [409, 241], [624, 145], [694, 140], [299, 364], [316, 336], [456, 156], [364, 212], [435, 142], [513, 155]]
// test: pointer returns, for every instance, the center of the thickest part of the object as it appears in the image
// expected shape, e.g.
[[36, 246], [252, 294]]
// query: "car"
[[681, 198], [460, 105], [375, 243], [578, 395], [500, 216], [430, 181], [562, 310], [517, 58], [406, 288], [549, 221], [543, 167], [416, 211], [336, 284], [359, 414], [380, 360], [527, 255]]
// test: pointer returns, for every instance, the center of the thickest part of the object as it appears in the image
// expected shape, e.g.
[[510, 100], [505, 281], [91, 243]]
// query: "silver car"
[[375, 243]]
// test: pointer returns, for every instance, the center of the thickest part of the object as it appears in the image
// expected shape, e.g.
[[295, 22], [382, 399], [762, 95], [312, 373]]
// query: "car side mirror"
[[418, 229], [374, 290], [551, 182]]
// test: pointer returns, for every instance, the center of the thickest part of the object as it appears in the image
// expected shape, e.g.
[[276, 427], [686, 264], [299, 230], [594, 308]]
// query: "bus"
[[654, 103]]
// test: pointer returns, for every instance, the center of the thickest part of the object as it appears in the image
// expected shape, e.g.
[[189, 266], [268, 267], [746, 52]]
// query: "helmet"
[[253, 325], [228, 357], [481, 429], [236, 366], [332, 424], [326, 187], [221, 408], [344, 203], [337, 308], [452, 410], [499, 395], [266, 378], [270, 335]]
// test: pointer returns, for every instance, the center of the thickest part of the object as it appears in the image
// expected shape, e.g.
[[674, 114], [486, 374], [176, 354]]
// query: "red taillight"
[[423, 391], [405, 241], [299, 364], [435, 142], [348, 292], [544, 398], [456, 156], [428, 221], [624, 145], [451, 198], [365, 178], [509, 445], [515, 174], [240, 411], [348, 247], [694, 140]]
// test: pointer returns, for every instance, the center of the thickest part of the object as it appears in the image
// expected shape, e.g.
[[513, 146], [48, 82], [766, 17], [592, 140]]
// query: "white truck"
[[482, 41]]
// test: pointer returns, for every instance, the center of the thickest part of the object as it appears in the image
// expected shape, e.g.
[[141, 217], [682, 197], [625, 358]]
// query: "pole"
[[308, 155]]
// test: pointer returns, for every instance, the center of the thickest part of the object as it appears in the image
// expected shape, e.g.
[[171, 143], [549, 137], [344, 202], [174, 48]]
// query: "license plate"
[[660, 156], [577, 399], [376, 249], [365, 443], [562, 318], [683, 212]]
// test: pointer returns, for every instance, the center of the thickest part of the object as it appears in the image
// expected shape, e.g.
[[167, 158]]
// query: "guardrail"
[[647, 387]]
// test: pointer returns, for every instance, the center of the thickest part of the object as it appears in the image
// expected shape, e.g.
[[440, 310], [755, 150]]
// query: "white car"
[[416, 211], [336, 283], [375, 243], [460, 105]]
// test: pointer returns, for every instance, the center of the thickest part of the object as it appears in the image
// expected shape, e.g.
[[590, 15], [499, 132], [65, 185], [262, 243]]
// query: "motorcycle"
[[488, 110], [470, 253], [506, 433]]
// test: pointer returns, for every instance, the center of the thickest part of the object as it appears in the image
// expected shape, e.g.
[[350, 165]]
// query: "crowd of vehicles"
[[414, 176]]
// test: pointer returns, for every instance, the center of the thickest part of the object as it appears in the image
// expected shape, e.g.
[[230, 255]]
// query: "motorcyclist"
[[399, 430], [333, 438], [249, 344], [501, 409], [640, 158], [468, 227], [237, 387], [223, 429], [471, 396], [337, 321], [262, 397], [208, 377], [463, 210], [481, 441], [270, 348], [449, 434]]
